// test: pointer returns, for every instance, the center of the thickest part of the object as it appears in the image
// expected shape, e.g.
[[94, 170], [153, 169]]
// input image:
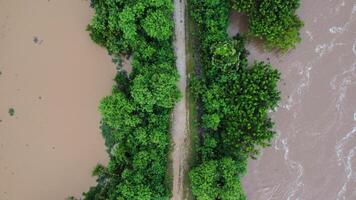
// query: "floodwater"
[[313, 156], [53, 76]]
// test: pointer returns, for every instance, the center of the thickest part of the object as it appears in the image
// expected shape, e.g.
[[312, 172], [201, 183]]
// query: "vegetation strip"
[[235, 100], [136, 117]]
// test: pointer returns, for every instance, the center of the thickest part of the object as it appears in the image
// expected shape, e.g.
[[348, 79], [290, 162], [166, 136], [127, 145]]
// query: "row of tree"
[[235, 99], [273, 21], [136, 116]]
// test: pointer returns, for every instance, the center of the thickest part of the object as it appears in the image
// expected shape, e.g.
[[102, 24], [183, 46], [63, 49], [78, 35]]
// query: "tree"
[[157, 25], [136, 116], [117, 112], [235, 99], [203, 179], [218, 179], [121, 26], [274, 21], [155, 86]]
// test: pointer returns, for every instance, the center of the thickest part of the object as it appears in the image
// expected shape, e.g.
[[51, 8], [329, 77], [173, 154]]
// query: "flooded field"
[[313, 156], [52, 77]]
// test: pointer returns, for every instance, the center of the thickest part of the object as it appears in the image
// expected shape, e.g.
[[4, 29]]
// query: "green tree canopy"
[[136, 116], [218, 179], [235, 99], [157, 25], [273, 21]]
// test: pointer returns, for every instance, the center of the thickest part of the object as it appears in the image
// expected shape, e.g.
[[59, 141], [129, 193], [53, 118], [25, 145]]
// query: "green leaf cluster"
[[136, 116], [235, 99], [125, 26], [218, 179], [273, 21]]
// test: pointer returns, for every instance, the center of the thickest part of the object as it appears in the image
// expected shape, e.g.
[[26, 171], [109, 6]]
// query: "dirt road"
[[179, 126]]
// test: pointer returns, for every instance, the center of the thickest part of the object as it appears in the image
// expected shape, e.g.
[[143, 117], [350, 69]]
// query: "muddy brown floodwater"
[[313, 156], [53, 76]]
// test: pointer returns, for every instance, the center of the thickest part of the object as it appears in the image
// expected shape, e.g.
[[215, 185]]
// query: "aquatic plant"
[[11, 111]]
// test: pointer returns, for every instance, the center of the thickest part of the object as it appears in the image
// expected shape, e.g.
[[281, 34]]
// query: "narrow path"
[[179, 126]]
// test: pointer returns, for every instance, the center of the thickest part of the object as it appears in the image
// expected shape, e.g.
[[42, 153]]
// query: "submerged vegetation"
[[273, 21], [11, 111], [136, 117]]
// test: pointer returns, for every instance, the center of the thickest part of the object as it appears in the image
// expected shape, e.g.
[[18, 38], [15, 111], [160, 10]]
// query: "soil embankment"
[[53, 76]]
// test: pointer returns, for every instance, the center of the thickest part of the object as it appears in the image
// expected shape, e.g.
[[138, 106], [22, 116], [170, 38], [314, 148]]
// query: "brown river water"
[[53, 75], [313, 156]]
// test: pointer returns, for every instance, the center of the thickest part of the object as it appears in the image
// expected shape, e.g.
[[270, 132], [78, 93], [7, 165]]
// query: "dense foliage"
[[235, 99], [126, 26], [273, 21], [218, 179], [136, 117]]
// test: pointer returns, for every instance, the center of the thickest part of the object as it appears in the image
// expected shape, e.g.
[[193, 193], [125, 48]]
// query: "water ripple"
[[345, 160], [295, 168]]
